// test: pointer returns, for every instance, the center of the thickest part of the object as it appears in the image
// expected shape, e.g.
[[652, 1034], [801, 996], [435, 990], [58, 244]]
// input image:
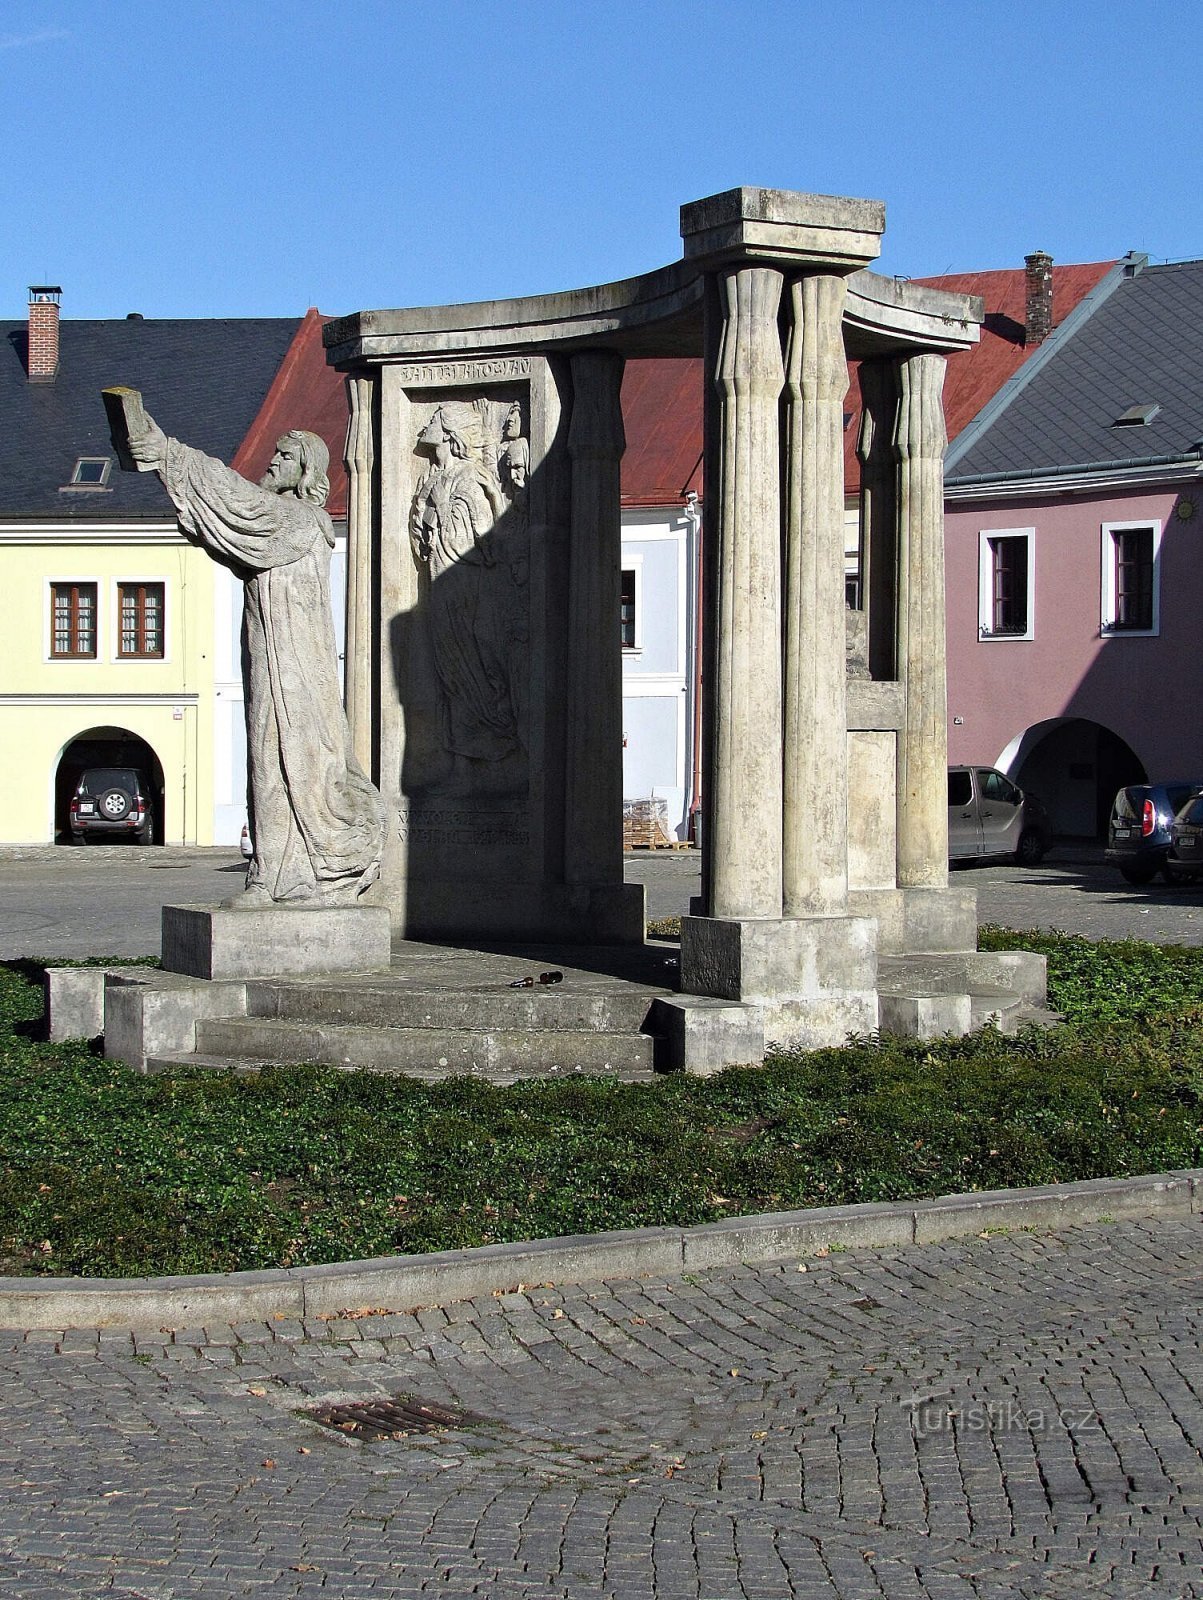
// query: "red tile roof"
[[976, 375], [662, 415], [305, 393], [662, 398]]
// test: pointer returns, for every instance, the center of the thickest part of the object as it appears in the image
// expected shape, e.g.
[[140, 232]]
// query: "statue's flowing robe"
[[453, 527], [315, 817]]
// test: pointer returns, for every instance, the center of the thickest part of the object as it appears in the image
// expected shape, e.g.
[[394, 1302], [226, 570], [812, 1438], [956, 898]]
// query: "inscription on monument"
[[462, 829], [497, 371]]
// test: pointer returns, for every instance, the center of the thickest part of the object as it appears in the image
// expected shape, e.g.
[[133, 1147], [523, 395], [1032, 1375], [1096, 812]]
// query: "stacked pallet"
[[645, 825]]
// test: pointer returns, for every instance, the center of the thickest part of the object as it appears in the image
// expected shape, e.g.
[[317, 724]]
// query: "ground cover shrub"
[[104, 1171]]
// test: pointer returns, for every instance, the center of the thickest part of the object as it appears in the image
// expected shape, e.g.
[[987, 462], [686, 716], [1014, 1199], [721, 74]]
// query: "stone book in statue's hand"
[[127, 420]]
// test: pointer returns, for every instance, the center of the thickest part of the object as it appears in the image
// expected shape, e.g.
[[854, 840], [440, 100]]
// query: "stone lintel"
[[274, 941], [822, 229]]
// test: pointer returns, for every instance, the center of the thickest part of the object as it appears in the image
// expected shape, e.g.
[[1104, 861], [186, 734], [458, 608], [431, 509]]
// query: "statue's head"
[[463, 428], [300, 466]]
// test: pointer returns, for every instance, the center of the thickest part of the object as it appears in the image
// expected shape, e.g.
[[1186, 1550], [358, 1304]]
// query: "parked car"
[[112, 803], [1138, 835], [988, 815], [1184, 863]]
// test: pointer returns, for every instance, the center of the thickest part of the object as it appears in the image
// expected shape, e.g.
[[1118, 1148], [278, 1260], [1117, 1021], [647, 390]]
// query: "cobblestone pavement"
[[58, 902], [1012, 1416]]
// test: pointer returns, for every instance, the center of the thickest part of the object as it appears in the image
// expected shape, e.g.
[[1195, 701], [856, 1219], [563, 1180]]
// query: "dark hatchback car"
[[1138, 835], [112, 803], [1184, 864]]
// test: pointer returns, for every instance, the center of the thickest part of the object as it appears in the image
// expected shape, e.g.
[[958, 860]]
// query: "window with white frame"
[[632, 610], [72, 621], [1006, 588], [1131, 578], [140, 609]]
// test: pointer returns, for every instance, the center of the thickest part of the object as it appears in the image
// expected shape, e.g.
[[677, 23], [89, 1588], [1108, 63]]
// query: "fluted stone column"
[[360, 457], [815, 760], [596, 441], [745, 778], [920, 440]]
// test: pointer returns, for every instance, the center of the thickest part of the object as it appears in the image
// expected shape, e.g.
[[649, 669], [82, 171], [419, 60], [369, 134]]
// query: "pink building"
[[1074, 571]]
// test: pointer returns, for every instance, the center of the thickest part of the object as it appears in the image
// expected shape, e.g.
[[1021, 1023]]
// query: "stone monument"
[[483, 683]]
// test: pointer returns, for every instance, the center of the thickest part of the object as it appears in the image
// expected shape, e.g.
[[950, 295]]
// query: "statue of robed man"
[[316, 821]]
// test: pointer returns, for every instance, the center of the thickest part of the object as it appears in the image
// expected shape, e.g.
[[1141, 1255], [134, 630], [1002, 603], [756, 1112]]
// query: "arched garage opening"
[[1075, 766], [104, 747]]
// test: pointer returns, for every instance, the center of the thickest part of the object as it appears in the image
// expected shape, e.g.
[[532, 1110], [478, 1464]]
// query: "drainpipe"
[[693, 515]]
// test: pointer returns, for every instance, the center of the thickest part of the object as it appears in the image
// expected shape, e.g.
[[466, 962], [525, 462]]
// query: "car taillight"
[[1148, 818]]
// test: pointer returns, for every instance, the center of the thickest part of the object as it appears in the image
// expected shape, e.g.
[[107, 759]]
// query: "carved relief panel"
[[463, 575]]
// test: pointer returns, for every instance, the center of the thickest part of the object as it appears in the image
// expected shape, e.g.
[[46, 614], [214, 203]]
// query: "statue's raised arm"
[[316, 821]]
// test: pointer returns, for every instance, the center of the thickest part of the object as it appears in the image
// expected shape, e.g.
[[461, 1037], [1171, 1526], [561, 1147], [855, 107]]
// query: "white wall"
[[657, 675]]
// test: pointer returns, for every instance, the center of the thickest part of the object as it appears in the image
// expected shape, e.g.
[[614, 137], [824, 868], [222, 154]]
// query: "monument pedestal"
[[610, 913], [270, 941], [812, 979]]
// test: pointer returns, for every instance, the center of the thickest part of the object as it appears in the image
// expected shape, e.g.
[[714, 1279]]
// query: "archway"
[[104, 747], [1075, 766]]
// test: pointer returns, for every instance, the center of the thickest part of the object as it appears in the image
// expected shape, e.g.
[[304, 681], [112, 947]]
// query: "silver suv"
[[988, 815]]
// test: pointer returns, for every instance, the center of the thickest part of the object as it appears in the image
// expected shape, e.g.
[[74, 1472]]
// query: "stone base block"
[[703, 1036], [813, 978], [149, 1013], [274, 941], [75, 1002], [925, 1016], [914, 920], [609, 913]]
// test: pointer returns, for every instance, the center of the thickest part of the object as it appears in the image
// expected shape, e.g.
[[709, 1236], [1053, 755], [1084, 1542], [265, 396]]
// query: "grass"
[[105, 1172]]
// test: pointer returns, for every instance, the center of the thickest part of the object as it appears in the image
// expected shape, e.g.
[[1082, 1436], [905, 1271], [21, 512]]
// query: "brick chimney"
[[1038, 307], [42, 361]]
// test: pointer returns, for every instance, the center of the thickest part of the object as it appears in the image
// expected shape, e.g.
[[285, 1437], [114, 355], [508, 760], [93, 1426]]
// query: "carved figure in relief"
[[514, 457], [317, 822], [454, 533]]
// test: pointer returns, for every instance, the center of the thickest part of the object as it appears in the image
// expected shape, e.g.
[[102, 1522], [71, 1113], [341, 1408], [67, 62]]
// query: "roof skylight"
[[91, 472], [1137, 416]]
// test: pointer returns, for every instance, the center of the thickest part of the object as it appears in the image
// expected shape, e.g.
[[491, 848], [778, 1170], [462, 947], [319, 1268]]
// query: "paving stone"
[[941, 1430]]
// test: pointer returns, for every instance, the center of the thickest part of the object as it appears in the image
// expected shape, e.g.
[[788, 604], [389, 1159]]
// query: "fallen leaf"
[[254, 1389], [269, 1464]]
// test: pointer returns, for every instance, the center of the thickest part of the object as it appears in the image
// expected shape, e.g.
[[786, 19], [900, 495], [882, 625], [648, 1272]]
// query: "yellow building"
[[106, 661], [120, 639]]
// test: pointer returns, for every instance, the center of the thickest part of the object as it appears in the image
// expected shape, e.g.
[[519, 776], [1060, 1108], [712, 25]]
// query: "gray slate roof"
[[202, 379], [1144, 343]]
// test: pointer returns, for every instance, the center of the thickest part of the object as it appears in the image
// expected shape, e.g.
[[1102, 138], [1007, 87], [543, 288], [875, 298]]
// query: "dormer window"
[[91, 472]]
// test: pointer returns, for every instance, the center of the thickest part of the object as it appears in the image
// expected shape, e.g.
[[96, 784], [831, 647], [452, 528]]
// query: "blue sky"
[[253, 158]]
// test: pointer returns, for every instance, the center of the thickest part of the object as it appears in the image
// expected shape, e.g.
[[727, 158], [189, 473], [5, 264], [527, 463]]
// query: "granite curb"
[[405, 1283]]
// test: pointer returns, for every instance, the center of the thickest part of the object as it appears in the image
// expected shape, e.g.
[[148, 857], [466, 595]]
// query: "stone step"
[[561, 1007], [1018, 972], [441, 1051], [929, 1016], [244, 1067]]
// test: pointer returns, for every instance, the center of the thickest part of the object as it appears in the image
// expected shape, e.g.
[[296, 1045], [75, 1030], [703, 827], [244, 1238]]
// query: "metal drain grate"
[[393, 1418]]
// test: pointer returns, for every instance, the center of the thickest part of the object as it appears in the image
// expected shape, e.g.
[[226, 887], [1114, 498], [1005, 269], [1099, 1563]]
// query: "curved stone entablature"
[[660, 313]]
